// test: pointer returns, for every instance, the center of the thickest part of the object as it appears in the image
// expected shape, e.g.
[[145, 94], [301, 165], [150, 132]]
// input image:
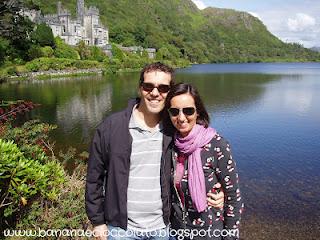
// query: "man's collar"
[[136, 122]]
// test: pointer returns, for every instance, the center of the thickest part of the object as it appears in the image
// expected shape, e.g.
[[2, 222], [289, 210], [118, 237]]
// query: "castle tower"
[[59, 8], [80, 10]]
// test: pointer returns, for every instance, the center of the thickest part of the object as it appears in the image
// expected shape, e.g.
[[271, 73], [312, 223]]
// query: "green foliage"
[[90, 52], [43, 35], [117, 52], [125, 61], [15, 28], [4, 44], [34, 52], [12, 70], [47, 51], [83, 64], [68, 213], [83, 50], [32, 138], [24, 178], [45, 64], [35, 191], [63, 50], [97, 54]]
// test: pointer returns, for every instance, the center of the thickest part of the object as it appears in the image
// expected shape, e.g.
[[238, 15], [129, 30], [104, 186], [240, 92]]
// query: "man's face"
[[152, 101]]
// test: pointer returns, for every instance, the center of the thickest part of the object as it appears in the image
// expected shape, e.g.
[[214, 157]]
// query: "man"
[[130, 159]]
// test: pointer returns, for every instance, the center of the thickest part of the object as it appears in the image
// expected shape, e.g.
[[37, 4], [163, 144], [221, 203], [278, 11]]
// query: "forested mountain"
[[315, 49], [177, 28]]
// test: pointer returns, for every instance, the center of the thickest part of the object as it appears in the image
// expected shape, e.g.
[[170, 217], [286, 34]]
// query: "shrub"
[[83, 50], [117, 53], [11, 70], [35, 191], [83, 64], [68, 213], [63, 50], [34, 52], [97, 54], [47, 51], [32, 139], [44, 64], [23, 179]]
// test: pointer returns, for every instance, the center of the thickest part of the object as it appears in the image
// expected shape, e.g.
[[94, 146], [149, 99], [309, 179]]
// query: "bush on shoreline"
[[28, 170], [45, 64], [36, 192]]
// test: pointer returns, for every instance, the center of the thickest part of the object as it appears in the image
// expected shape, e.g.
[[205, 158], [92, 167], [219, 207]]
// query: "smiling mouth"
[[154, 100], [183, 125]]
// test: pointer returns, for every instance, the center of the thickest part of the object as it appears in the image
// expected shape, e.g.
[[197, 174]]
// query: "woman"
[[202, 158]]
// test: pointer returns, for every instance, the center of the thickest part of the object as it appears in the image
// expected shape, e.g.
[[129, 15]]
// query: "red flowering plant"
[[28, 167]]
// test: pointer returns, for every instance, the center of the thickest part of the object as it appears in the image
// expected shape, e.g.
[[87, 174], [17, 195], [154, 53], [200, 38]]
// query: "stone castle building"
[[86, 26]]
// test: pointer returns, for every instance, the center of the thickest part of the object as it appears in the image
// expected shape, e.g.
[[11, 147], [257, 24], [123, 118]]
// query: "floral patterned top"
[[218, 166]]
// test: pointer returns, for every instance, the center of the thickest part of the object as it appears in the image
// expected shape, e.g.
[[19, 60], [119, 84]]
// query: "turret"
[[80, 10]]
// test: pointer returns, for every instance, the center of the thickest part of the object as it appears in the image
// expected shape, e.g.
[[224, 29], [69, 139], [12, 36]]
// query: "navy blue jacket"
[[108, 169]]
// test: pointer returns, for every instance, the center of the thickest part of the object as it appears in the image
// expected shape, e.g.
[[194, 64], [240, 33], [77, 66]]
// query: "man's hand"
[[216, 200], [100, 232]]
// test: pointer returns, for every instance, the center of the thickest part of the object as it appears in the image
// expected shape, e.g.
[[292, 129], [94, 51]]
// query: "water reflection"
[[228, 91], [84, 112]]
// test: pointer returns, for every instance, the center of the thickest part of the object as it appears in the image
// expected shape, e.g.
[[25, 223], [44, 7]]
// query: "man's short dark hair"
[[157, 66]]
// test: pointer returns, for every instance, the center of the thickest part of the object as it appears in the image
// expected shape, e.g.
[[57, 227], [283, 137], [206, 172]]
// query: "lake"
[[269, 112]]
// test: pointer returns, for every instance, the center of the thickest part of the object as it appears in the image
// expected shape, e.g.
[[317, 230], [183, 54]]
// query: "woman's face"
[[183, 113]]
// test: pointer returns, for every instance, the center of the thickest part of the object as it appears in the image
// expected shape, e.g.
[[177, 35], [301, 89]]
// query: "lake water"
[[270, 113]]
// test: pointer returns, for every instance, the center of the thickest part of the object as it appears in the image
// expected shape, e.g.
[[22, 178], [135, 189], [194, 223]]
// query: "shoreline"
[[49, 74], [42, 75]]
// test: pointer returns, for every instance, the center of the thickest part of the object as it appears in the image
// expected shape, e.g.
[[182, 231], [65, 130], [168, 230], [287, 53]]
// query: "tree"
[[4, 44], [15, 27], [83, 50], [43, 35], [162, 54]]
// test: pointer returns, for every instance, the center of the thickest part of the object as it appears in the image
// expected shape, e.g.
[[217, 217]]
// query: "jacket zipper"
[[164, 151]]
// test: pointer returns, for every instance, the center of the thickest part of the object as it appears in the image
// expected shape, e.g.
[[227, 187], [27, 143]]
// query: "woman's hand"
[[216, 200], [100, 232]]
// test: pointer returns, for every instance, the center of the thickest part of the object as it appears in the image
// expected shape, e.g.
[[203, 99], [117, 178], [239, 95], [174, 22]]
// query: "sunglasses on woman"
[[162, 88], [187, 111]]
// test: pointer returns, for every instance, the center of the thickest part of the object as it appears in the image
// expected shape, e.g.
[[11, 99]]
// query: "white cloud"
[[289, 20], [200, 4], [301, 22], [292, 26]]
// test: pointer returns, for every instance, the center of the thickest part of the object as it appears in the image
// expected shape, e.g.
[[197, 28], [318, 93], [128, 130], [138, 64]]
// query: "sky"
[[290, 20]]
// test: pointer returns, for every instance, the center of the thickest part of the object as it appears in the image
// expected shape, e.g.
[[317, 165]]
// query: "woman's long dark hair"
[[183, 88]]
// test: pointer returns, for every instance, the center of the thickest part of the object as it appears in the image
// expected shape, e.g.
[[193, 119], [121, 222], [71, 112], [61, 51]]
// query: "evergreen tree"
[[43, 35]]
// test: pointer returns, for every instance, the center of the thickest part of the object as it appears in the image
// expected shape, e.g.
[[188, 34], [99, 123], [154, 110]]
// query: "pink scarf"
[[191, 146]]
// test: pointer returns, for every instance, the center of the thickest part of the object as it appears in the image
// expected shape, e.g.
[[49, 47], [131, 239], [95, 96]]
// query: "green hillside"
[[179, 28]]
